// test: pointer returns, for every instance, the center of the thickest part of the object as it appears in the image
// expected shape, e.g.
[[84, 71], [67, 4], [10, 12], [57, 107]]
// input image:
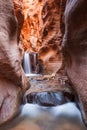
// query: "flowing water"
[[27, 63], [35, 58], [34, 117]]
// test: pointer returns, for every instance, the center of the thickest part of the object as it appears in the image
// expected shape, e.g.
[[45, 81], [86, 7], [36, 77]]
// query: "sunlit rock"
[[32, 27]]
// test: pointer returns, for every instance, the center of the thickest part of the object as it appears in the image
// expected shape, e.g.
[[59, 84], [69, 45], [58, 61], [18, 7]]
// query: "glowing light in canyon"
[[32, 28]]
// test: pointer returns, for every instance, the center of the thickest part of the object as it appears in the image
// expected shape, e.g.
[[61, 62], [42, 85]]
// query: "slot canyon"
[[42, 70]]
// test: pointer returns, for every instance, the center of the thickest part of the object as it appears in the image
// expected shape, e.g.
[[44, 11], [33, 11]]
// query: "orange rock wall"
[[50, 30], [41, 22], [51, 19], [32, 28], [42, 27]]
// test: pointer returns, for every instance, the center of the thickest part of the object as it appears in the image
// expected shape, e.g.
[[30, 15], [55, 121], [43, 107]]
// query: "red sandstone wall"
[[43, 26], [32, 27]]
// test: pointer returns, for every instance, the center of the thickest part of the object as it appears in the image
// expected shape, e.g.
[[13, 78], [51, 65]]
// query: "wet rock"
[[49, 98]]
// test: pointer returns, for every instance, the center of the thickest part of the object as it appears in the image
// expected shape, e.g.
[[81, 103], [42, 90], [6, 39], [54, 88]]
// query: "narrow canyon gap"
[[43, 30]]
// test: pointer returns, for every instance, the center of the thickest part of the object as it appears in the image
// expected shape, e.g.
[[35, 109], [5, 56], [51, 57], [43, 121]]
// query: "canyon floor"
[[41, 117]]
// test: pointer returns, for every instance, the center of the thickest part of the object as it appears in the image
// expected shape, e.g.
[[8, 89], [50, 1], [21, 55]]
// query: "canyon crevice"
[[56, 30], [42, 30]]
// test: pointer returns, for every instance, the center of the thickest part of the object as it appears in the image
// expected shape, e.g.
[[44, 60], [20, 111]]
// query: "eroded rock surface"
[[32, 27], [13, 82], [50, 51], [75, 49], [51, 21], [18, 8], [41, 29]]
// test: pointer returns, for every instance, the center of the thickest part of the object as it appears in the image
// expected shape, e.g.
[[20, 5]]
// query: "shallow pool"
[[34, 117]]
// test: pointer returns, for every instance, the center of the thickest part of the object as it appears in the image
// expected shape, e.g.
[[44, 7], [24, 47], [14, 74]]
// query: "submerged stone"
[[49, 98]]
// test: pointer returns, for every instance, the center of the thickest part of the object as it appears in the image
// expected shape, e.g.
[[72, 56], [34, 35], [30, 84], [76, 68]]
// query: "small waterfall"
[[35, 59], [27, 63], [30, 62]]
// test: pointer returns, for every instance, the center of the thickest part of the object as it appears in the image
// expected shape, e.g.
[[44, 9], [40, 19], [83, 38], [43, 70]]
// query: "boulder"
[[49, 98]]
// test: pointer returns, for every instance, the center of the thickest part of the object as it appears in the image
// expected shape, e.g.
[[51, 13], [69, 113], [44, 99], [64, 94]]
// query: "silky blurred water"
[[34, 117], [27, 63]]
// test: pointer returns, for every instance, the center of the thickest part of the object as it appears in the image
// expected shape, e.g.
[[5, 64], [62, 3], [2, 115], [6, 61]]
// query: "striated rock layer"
[[41, 28], [53, 30], [13, 82], [32, 27], [49, 51], [18, 8], [51, 19], [75, 49], [42, 23]]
